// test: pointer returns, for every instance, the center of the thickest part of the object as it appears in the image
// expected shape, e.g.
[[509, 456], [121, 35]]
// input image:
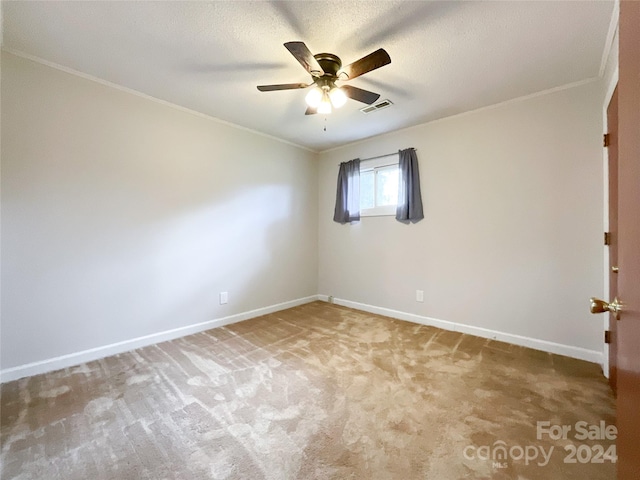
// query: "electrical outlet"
[[224, 297], [419, 295]]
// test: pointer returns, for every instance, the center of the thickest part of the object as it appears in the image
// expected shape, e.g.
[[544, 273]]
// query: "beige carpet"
[[314, 392]]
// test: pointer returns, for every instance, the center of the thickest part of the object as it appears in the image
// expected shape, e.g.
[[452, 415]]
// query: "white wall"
[[610, 73], [124, 217], [512, 235]]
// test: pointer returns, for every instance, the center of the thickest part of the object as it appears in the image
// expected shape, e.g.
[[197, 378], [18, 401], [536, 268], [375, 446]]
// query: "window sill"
[[386, 211]]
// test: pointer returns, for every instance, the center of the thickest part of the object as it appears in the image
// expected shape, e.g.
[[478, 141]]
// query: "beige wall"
[[511, 240], [123, 217]]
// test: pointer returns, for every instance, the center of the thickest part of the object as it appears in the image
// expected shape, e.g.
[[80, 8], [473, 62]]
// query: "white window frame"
[[375, 165]]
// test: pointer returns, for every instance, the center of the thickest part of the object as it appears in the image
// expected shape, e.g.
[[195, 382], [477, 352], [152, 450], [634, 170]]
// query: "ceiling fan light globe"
[[338, 97], [314, 97], [324, 108]]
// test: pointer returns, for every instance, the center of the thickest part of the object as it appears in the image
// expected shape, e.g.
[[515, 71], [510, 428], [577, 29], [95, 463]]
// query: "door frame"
[[605, 168]]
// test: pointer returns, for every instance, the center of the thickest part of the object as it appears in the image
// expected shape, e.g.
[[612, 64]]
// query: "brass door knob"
[[600, 306]]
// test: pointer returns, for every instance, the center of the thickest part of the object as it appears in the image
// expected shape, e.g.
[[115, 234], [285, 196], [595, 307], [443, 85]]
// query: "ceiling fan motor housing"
[[331, 64]]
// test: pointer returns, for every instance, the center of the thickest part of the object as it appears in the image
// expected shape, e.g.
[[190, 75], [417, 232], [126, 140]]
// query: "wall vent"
[[376, 106]]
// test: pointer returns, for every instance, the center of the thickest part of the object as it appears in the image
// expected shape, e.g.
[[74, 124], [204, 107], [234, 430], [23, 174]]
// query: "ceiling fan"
[[326, 69]]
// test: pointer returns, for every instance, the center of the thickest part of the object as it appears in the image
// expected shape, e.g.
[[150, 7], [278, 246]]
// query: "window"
[[379, 186]]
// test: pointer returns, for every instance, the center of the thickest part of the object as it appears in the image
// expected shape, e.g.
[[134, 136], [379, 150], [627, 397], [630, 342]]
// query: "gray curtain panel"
[[409, 199], [348, 195]]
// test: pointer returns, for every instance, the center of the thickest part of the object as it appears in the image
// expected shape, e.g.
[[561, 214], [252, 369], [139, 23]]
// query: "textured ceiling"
[[447, 57]]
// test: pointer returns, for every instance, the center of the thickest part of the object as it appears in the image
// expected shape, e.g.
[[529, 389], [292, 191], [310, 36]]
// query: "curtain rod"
[[381, 156]]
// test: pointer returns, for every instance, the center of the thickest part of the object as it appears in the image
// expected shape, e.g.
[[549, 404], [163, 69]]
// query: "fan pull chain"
[[325, 124]]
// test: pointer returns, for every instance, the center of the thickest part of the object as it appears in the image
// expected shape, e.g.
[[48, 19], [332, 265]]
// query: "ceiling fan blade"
[[374, 60], [311, 111], [284, 86], [305, 57], [355, 93]]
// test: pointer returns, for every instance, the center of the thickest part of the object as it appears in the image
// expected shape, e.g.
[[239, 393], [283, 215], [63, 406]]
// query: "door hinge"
[[607, 238], [607, 139], [607, 336]]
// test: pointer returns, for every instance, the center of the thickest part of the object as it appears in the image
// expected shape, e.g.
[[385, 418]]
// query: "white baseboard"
[[593, 356], [77, 358]]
